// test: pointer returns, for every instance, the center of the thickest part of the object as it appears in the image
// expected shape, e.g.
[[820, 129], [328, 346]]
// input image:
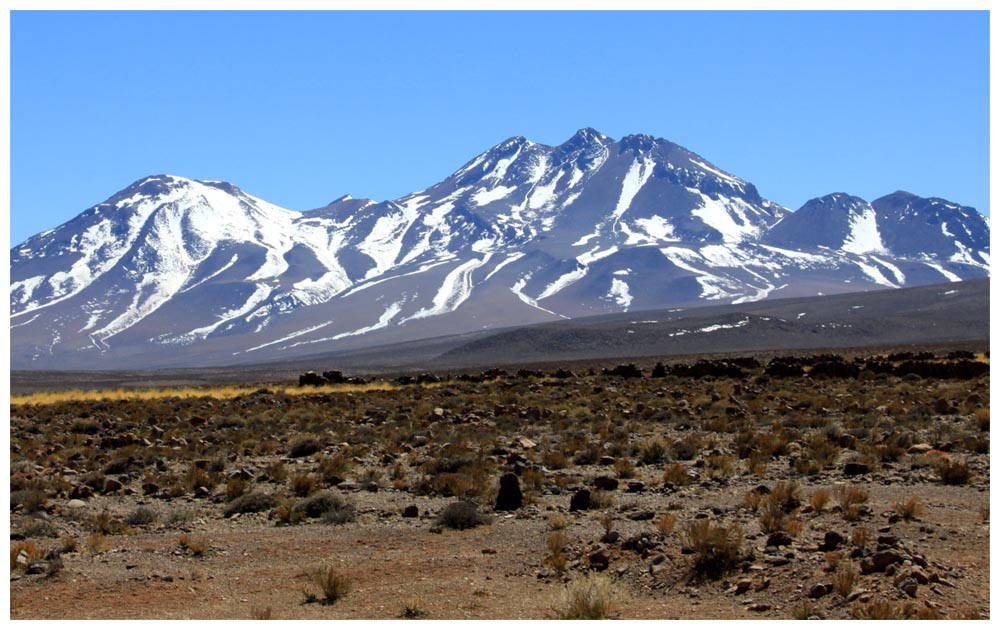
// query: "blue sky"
[[301, 108]]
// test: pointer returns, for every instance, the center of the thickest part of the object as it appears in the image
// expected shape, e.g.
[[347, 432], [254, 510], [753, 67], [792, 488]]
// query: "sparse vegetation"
[[670, 466], [591, 596], [333, 585], [462, 515], [717, 548]]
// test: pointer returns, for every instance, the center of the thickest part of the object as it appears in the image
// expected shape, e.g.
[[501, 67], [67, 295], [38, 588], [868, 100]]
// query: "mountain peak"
[[588, 135]]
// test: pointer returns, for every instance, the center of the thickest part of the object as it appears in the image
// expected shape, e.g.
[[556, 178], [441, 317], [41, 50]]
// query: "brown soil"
[[499, 570]]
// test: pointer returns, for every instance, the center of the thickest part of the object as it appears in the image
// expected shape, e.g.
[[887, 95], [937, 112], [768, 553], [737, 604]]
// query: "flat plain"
[[829, 485]]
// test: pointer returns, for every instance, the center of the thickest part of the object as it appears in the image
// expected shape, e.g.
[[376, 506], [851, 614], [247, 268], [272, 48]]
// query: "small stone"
[[642, 515], [37, 567], [81, 492], [888, 541], [635, 486], [779, 539], [75, 504], [605, 483], [909, 586], [411, 511], [759, 608], [743, 586], [580, 501], [610, 538], [853, 469], [831, 540], [818, 590], [600, 558]]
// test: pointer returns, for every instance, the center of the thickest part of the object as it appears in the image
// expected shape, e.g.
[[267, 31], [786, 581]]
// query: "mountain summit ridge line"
[[173, 271]]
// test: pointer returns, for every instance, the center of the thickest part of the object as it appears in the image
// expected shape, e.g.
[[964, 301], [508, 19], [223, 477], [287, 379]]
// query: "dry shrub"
[[982, 418], [462, 515], [593, 596], [28, 549], [787, 495], [555, 460], [236, 487], [818, 499], [261, 614], [721, 466], [844, 580], [98, 543], [302, 485], [833, 559], [197, 547], [751, 500], [652, 451], [288, 513], [624, 468], [556, 559], [602, 499], [880, 609], [909, 508], [666, 523], [141, 515], [850, 499], [955, 473], [248, 503], [676, 474], [413, 608], [304, 446], [533, 478], [860, 537], [794, 527], [557, 521], [333, 584], [717, 548]]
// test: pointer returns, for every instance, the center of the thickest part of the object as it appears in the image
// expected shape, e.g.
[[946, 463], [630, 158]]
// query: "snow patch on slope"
[[863, 236], [619, 293], [456, 288]]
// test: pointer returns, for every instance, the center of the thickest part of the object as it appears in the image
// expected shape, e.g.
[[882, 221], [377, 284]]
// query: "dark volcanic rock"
[[509, 497], [580, 501]]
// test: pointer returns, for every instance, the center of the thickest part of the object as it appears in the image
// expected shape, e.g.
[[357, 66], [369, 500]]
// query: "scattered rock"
[[599, 558], [642, 515], [605, 483], [580, 501], [819, 590], [509, 498], [853, 469], [411, 511], [779, 539], [831, 540]]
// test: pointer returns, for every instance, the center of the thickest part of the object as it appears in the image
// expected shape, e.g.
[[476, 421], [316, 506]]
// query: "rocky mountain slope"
[[177, 272]]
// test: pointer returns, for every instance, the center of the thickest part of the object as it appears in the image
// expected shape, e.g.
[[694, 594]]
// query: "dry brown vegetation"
[[714, 497]]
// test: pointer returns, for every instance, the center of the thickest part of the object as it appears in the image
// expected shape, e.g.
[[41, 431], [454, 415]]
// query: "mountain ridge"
[[524, 232]]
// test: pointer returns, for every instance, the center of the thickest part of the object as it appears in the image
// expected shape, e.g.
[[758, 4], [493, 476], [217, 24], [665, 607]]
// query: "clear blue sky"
[[301, 108]]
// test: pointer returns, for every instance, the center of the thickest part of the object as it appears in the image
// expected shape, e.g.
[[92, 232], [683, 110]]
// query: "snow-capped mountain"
[[172, 271]]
